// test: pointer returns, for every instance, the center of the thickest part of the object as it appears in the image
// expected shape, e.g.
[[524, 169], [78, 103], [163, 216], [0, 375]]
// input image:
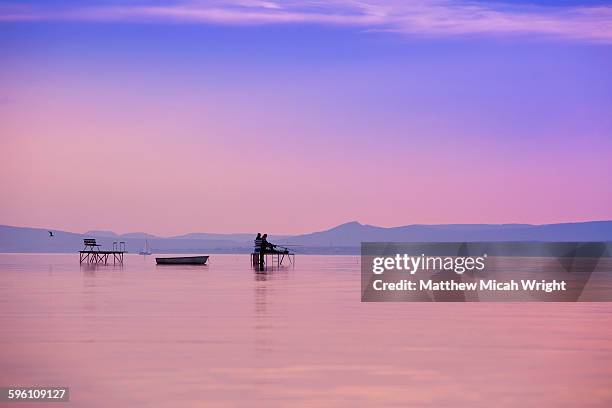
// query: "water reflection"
[[266, 312], [229, 335], [91, 268]]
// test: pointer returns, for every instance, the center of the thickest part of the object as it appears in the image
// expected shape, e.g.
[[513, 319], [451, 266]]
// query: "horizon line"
[[306, 233]]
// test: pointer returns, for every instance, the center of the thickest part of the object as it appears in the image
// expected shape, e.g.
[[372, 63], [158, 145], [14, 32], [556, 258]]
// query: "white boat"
[[146, 250]]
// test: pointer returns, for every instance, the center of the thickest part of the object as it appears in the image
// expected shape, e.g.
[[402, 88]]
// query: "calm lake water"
[[223, 335]]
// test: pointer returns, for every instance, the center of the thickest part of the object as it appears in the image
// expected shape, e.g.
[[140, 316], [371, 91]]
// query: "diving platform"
[[92, 254]]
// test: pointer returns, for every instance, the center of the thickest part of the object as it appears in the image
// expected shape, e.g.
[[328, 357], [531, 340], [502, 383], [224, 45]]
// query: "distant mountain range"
[[353, 233], [345, 238]]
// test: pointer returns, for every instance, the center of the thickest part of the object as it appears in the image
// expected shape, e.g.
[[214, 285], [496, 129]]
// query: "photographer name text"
[[482, 284]]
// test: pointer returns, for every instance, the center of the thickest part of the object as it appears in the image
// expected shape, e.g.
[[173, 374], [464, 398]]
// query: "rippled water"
[[224, 335]]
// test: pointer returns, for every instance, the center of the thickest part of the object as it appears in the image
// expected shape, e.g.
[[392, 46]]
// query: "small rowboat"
[[183, 260]]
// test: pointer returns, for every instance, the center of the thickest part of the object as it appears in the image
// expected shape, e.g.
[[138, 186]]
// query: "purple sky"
[[288, 117]]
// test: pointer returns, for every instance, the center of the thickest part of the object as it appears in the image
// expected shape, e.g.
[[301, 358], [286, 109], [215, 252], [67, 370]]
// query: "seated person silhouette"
[[269, 248], [258, 241]]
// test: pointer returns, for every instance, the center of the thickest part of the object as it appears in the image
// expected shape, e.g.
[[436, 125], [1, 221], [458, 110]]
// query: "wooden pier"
[[97, 257], [92, 253], [261, 259]]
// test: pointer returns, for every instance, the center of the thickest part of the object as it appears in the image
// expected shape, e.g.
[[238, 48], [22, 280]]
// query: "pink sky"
[[136, 167], [170, 129]]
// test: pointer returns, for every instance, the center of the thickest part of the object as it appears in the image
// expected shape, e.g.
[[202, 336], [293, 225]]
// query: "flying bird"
[[50, 233]]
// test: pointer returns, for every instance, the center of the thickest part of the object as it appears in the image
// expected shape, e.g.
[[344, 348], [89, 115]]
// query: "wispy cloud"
[[420, 17]]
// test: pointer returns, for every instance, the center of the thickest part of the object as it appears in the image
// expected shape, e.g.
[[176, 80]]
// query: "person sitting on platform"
[[270, 248], [265, 245], [258, 242]]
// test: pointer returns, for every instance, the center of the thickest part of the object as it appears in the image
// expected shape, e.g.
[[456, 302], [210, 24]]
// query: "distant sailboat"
[[146, 250]]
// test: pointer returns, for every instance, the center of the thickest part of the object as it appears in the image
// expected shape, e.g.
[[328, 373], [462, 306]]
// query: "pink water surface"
[[223, 335]]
